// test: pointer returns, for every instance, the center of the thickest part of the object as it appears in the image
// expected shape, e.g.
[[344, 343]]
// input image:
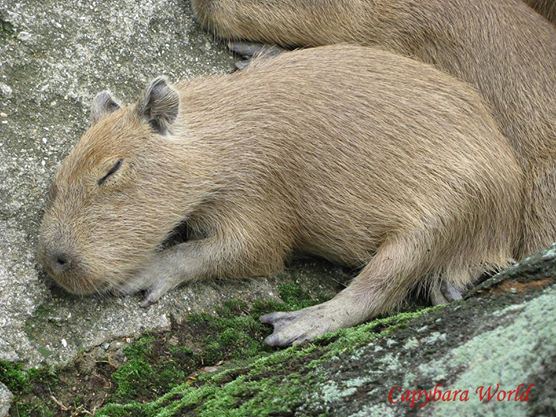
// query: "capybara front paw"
[[157, 290], [135, 284], [154, 280]]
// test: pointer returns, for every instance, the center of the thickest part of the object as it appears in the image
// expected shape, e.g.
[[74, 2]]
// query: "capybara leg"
[[286, 23], [540, 209], [202, 259], [167, 270], [381, 286], [253, 50], [306, 324]]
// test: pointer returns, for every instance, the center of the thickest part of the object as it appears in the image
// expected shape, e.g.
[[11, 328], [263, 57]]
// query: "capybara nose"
[[60, 262]]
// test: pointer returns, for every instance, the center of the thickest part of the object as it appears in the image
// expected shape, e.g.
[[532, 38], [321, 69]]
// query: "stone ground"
[[54, 57]]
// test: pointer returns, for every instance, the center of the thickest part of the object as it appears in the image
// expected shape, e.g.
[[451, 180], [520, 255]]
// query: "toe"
[[153, 295], [145, 303], [279, 338], [273, 340], [131, 287], [272, 318]]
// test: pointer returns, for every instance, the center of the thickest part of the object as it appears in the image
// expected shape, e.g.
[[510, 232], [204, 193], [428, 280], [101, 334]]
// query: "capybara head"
[[117, 195]]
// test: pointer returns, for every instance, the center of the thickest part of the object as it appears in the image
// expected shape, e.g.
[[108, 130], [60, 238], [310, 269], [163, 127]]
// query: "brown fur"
[[547, 8], [358, 155], [501, 47]]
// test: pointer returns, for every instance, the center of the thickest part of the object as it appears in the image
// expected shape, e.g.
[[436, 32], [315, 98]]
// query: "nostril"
[[60, 261]]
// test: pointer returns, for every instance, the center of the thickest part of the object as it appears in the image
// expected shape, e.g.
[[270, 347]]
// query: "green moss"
[[294, 297], [34, 409], [13, 376], [228, 337], [266, 384], [20, 380], [352, 338], [234, 332], [130, 378], [29, 382], [145, 374], [159, 378]]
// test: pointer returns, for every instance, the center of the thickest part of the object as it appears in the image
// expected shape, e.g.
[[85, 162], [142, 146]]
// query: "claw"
[[145, 303], [272, 318], [155, 292], [151, 297], [275, 340]]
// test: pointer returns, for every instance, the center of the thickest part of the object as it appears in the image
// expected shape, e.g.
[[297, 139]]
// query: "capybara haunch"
[[357, 155], [502, 47]]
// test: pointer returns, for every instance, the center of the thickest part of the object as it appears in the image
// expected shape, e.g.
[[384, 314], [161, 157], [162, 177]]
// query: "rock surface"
[[5, 400], [55, 58]]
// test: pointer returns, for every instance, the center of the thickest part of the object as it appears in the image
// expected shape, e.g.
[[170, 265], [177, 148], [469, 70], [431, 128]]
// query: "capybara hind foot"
[[445, 294], [291, 328], [296, 327], [250, 50], [254, 49]]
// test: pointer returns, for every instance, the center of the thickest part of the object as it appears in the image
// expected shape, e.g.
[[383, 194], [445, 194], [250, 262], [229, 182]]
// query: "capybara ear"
[[103, 104], [159, 105]]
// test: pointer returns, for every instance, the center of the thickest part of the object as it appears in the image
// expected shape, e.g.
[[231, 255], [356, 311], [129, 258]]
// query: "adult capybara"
[[501, 47]]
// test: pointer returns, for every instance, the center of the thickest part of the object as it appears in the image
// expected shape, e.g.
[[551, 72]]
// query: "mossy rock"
[[216, 365]]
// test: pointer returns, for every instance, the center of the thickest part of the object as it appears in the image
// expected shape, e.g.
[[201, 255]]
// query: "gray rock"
[[55, 59], [6, 398]]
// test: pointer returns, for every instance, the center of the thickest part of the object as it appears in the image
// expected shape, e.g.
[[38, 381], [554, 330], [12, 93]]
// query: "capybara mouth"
[[79, 285]]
